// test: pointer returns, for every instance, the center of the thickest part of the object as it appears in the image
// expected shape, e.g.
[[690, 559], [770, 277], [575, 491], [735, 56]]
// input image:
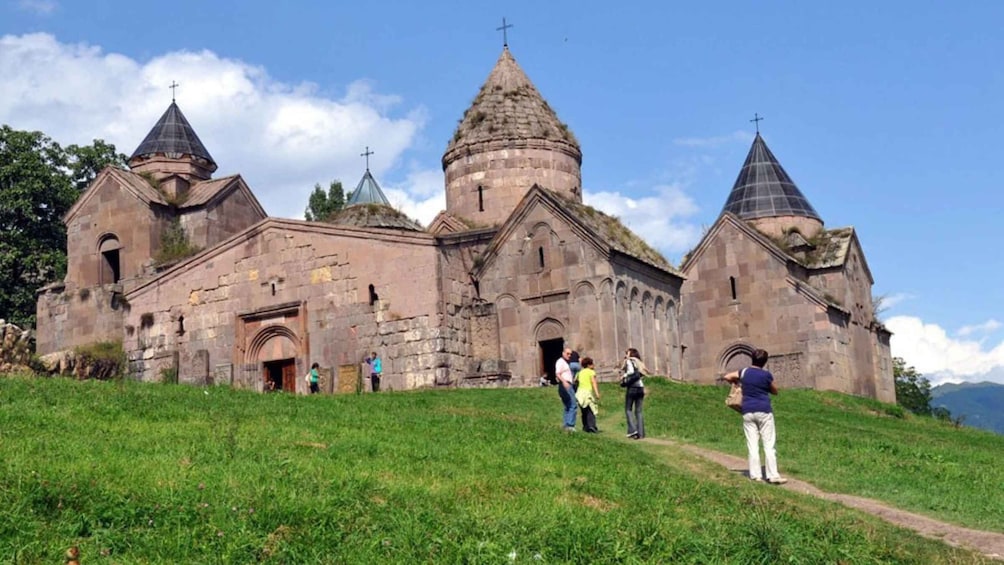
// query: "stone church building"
[[514, 269]]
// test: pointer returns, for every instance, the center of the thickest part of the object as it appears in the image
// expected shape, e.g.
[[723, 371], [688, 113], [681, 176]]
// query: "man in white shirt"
[[565, 389]]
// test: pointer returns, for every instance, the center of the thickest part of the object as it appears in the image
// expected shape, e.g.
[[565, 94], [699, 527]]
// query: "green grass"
[[854, 445], [141, 473]]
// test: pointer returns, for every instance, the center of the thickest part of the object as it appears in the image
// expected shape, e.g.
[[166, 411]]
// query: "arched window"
[[481, 199], [110, 269], [540, 256]]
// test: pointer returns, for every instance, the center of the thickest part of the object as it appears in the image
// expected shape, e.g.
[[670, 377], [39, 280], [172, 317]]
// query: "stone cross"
[[757, 118], [367, 154], [505, 36], [173, 87]]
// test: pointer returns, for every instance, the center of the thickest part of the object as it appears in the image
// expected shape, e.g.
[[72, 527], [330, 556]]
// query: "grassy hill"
[[139, 473], [981, 404]]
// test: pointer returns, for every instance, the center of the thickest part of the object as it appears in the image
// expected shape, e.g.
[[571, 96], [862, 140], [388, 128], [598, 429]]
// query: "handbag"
[[735, 398]]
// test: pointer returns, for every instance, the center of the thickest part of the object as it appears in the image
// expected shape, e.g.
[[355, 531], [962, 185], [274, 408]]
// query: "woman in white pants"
[[758, 417]]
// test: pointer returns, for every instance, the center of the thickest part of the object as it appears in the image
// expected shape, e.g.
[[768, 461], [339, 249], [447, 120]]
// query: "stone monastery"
[[515, 268]]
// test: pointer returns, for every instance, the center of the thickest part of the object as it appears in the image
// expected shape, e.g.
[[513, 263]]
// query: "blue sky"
[[886, 115]]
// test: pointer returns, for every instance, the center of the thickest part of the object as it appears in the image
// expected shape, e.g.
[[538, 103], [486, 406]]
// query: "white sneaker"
[[777, 481]]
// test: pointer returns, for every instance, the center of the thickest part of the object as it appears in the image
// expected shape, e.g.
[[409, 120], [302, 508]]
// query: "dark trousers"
[[375, 382], [632, 410], [314, 388], [589, 420]]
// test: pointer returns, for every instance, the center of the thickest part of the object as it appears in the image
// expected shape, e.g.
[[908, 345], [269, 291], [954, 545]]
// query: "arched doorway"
[[735, 357], [550, 342], [274, 349]]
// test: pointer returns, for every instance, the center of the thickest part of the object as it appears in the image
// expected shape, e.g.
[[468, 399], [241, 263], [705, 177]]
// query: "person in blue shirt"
[[758, 416], [377, 370]]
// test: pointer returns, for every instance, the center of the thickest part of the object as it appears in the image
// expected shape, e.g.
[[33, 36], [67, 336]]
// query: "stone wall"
[[70, 318], [767, 310], [293, 290], [221, 218], [504, 173], [460, 304], [111, 213], [815, 344], [547, 282]]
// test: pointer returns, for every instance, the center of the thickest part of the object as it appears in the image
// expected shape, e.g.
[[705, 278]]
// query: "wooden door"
[[289, 375]]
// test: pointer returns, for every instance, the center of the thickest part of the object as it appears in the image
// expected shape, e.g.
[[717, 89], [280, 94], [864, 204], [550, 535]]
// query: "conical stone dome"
[[765, 195], [509, 108], [508, 140]]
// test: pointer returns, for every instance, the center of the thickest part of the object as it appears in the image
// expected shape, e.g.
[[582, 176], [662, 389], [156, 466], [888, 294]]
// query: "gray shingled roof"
[[763, 188], [172, 134], [508, 107], [367, 192]]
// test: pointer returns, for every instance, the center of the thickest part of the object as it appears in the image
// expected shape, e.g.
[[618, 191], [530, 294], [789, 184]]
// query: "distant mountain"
[[982, 404]]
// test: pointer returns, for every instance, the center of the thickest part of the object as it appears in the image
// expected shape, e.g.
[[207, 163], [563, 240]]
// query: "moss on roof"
[[826, 249], [374, 216], [509, 107], [614, 233]]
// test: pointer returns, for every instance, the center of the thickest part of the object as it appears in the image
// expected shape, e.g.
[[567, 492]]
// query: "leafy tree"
[[322, 206], [913, 390], [38, 185], [85, 162]]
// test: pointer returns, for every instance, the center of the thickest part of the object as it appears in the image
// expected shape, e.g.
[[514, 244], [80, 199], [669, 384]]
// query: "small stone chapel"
[[514, 269]]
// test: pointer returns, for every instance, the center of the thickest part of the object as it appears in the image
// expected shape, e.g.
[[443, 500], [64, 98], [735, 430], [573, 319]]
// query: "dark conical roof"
[[172, 134], [367, 192], [765, 190], [509, 107]]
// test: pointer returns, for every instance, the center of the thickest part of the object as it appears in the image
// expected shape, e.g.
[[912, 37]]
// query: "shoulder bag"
[[735, 398]]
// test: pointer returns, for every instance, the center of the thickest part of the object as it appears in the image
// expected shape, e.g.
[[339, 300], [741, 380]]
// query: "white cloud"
[[283, 138], [986, 327], [40, 7], [715, 141], [941, 358], [421, 195], [659, 218]]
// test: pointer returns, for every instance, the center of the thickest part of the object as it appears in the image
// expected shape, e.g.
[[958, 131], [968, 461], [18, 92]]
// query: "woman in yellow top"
[[588, 396]]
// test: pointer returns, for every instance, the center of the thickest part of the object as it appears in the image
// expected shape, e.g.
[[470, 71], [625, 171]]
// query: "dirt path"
[[990, 544]]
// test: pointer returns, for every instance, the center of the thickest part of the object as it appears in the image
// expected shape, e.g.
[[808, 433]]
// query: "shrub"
[[101, 360], [174, 244]]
